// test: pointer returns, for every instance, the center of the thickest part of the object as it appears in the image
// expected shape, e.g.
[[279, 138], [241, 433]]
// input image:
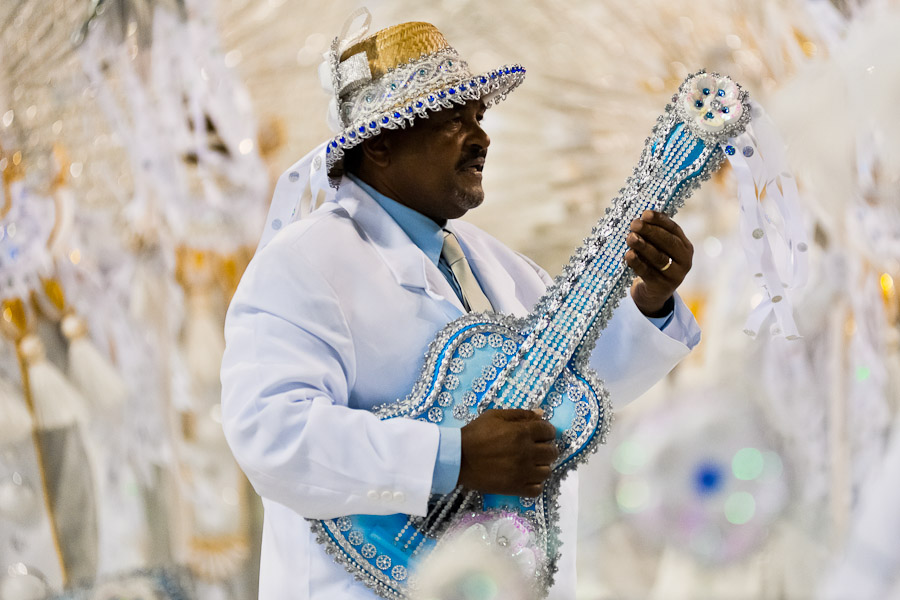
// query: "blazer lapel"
[[406, 262]]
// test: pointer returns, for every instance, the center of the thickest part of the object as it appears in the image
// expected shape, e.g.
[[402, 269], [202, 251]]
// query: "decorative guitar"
[[483, 361]]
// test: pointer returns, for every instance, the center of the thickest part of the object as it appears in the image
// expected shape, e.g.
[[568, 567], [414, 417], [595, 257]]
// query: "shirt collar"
[[427, 235]]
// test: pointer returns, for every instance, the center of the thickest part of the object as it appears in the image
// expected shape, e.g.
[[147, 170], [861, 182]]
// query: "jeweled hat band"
[[386, 80]]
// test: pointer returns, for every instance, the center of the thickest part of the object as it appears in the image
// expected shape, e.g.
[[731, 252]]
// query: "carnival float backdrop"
[[139, 143]]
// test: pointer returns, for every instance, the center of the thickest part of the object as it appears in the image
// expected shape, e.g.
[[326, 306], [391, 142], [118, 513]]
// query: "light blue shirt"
[[428, 236]]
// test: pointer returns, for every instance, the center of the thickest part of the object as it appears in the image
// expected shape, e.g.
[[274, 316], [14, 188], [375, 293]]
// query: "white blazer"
[[333, 318]]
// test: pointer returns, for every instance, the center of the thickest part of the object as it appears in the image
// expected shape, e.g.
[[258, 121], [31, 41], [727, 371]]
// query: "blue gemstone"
[[725, 109], [384, 120], [483, 80], [493, 75], [442, 95], [431, 98], [328, 150], [709, 115], [373, 125], [420, 105], [362, 129], [506, 71], [721, 93], [462, 87], [706, 91], [352, 135], [333, 144], [396, 115], [342, 139], [699, 103], [409, 108], [451, 91], [729, 150]]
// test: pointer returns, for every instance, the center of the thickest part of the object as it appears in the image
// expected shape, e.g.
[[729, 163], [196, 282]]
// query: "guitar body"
[[484, 361]]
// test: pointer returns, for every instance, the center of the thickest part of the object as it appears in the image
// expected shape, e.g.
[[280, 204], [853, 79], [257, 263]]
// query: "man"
[[335, 312]]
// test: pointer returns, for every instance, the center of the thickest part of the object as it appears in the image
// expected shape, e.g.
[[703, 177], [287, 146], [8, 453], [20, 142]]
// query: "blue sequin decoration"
[[483, 80], [373, 125], [729, 150], [362, 129], [451, 91], [385, 120], [721, 93], [342, 140], [706, 91]]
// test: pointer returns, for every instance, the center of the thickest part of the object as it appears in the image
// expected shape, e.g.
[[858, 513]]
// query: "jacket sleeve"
[[287, 372], [632, 354]]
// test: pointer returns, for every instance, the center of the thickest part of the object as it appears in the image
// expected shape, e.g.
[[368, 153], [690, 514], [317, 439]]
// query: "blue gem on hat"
[[328, 150], [483, 80], [362, 129], [342, 140], [396, 115], [373, 125], [384, 120], [442, 94], [462, 87], [493, 75], [352, 135], [431, 98], [409, 108], [333, 144], [729, 150], [419, 105], [506, 71]]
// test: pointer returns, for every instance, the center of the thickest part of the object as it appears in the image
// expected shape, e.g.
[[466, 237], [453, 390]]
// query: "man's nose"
[[480, 136]]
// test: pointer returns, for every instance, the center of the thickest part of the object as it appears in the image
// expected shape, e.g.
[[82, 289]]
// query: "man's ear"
[[377, 150]]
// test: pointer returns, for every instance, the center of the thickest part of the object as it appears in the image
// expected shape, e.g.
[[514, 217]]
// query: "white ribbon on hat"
[[335, 76], [299, 190], [777, 253]]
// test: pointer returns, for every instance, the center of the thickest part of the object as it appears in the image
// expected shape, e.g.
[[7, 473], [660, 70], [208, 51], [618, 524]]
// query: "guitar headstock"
[[713, 106]]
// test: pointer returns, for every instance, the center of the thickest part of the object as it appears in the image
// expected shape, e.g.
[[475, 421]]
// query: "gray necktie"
[[473, 297]]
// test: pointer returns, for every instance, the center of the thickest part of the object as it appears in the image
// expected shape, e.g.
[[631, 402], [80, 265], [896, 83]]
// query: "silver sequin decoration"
[[469, 398], [466, 350], [445, 399], [478, 340], [344, 524], [399, 573], [452, 382], [495, 340], [499, 360], [435, 414], [368, 551], [457, 365], [383, 562], [355, 537]]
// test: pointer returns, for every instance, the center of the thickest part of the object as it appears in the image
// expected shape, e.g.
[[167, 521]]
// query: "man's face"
[[435, 167]]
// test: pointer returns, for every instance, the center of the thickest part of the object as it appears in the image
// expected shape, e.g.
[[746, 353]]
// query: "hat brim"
[[490, 87]]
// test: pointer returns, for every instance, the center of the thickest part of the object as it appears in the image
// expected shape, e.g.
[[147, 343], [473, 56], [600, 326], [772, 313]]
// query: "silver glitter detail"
[[353, 72], [344, 524], [499, 361], [470, 399], [460, 412], [369, 551], [479, 340], [399, 573], [457, 365], [747, 151], [383, 562], [355, 537], [435, 414], [451, 383], [478, 384], [495, 340], [489, 373], [466, 350], [445, 399]]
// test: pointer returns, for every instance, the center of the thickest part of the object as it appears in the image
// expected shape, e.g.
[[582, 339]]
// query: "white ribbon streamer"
[[761, 171], [299, 190]]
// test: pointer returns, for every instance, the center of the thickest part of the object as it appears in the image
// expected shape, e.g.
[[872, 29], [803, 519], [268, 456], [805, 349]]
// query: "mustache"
[[475, 156]]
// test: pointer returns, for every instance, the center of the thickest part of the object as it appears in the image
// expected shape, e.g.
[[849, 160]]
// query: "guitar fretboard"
[[575, 310]]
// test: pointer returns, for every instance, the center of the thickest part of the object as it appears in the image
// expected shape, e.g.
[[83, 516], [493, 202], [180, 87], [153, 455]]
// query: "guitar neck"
[[570, 316]]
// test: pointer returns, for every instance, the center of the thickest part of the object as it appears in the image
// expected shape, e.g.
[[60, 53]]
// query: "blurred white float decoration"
[[483, 556]]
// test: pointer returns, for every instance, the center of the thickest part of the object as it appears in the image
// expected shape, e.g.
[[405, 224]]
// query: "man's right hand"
[[508, 452]]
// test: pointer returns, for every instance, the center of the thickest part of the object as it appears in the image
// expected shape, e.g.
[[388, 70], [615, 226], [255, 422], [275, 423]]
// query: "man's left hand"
[[661, 256]]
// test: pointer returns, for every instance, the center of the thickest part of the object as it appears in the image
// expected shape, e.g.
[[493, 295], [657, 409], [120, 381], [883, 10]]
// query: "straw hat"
[[388, 79]]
